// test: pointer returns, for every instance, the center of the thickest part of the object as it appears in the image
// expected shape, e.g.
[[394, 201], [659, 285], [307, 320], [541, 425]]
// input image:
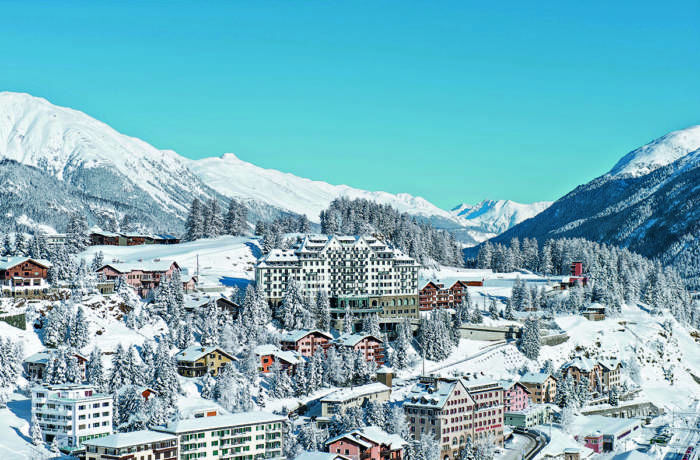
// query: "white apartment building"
[[73, 413], [244, 436], [136, 445], [358, 272]]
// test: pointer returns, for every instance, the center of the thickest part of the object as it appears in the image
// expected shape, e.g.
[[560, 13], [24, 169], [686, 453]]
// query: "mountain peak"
[[657, 153]]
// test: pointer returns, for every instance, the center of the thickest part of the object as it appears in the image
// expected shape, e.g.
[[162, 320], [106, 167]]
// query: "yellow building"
[[197, 361]]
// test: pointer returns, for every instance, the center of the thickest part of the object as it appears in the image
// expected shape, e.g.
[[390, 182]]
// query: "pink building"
[[516, 396], [369, 443], [145, 276], [305, 342], [488, 416], [370, 346]]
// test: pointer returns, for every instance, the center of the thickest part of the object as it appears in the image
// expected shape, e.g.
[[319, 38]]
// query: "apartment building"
[[359, 273], [542, 387], [305, 342], [581, 368], [244, 436], [136, 445], [516, 396], [368, 443], [489, 409], [443, 409], [73, 413], [370, 347]]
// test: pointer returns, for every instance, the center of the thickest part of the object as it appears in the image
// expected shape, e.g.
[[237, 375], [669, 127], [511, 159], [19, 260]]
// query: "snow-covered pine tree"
[[531, 341], [77, 237], [35, 432], [614, 396], [402, 346], [323, 309], [280, 383], [370, 325], [508, 312], [95, 372], [165, 381], [300, 381], [348, 320], [493, 310], [80, 333], [376, 414], [214, 225], [194, 226], [292, 313]]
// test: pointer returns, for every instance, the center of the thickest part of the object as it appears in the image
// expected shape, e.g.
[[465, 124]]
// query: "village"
[[345, 348]]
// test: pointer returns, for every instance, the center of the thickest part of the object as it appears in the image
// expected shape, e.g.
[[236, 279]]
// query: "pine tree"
[[80, 333], [493, 310], [35, 432], [214, 225], [614, 397], [402, 346], [531, 341], [280, 383], [95, 372], [165, 381], [508, 313], [119, 375], [194, 226], [323, 308], [293, 313], [300, 381], [77, 238], [370, 326]]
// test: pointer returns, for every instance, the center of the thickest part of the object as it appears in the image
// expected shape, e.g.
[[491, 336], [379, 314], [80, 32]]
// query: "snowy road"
[[517, 447]]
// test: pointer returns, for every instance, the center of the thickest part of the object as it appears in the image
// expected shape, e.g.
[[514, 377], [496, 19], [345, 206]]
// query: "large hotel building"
[[357, 272]]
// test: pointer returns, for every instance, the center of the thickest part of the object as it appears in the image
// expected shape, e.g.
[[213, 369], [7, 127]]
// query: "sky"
[[453, 101]]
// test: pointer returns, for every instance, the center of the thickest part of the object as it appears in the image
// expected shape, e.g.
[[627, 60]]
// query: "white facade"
[[72, 413], [339, 265], [244, 436]]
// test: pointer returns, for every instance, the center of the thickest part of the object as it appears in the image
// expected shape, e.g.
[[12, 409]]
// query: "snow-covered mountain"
[[234, 177], [110, 175], [660, 152], [649, 202], [497, 216]]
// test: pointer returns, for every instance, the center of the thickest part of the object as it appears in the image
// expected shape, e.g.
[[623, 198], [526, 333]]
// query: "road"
[[516, 448], [686, 433], [483, 351]]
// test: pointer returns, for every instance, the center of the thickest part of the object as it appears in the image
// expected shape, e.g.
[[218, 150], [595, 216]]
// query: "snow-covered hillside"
[[67, 143], [660, 152], [234, 177]]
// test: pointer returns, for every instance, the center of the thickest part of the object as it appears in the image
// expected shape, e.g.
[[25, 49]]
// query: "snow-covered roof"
[[584, 425], [9, 262], [537, 378], [633, 455], [291, 357], [350, 340], [373, 434], [195, 352], [134, 438], [584, 364], [431, 394], [320, 456], [349, 394], [146, 266], [220, 421], [508, 384], [41, 357], [295, 336]]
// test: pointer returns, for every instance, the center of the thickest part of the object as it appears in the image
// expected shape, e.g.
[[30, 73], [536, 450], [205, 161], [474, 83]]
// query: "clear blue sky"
[[453, 101]]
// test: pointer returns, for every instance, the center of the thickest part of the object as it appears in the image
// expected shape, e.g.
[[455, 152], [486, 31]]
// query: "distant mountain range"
[[58, 160], [649, 202]]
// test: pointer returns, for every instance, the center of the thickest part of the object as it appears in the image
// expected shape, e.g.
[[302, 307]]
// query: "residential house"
[[247, 435], [146, 276], [23, 276], [35, 365], [371, 347], [516, 396], [135, 445], [71, 413], [542, 387], [270, 354], [581, 368], [610, 373], [530, 416], [594, 312], [195, 302], [198, 360], [305, 342], [357, 396], [368, 443]]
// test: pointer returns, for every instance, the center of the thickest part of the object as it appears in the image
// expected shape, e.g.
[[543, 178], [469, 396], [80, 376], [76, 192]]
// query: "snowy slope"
[[234, 177], [497, 216], [660, 152], [65, 143]]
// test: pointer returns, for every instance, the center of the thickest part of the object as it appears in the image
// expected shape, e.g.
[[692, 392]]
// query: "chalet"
[[584, 368], [35, 365], [197, 361], [197, 302], [368, 443], [102, 238], [305, 342], [610, 373], [146, 276], [435, 295], [306, 455], [542, 387], [165, 238], [23, 276], [371, 347], [270, 354], [594, 312]]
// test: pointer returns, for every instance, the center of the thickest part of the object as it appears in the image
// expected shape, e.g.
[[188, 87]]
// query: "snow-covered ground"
[[226, 260]]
